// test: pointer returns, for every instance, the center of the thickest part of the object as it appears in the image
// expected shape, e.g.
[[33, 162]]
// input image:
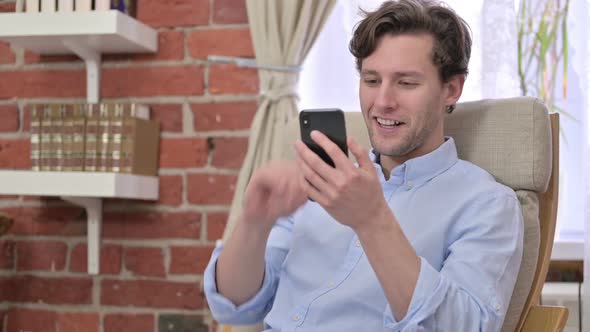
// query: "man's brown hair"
[[452, 38]]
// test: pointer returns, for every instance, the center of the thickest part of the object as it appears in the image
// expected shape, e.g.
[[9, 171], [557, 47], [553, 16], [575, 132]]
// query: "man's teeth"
[[386, 122]]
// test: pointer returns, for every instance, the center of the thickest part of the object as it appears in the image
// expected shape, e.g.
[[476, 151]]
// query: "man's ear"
[[454, 89]]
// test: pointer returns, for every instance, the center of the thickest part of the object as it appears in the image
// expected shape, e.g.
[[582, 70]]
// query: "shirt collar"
[[421, 169]]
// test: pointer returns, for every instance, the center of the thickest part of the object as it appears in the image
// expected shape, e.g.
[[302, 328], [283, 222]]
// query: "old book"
[[32, 6], [67, 136], [116, 130], [92, 140], [104, 137], [139, 146], [65, 6], [45, 144], [48, 6], [56, 158], [78, 137], [83, 5], [35, 128]]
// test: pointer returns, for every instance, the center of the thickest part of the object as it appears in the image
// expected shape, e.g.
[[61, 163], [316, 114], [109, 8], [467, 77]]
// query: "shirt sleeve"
[[477, 277], [255, 309]]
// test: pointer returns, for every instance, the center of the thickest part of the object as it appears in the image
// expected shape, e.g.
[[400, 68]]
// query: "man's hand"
[[352, 195], [274, 191]]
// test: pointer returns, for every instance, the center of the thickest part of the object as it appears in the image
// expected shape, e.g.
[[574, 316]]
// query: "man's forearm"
[[240, 266], [394, 261]]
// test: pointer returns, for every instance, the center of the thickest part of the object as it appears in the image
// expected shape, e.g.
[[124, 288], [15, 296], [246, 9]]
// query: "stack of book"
[[107, 137]]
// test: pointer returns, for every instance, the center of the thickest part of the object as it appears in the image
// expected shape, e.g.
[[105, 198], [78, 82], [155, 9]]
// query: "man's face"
[[402, 97]]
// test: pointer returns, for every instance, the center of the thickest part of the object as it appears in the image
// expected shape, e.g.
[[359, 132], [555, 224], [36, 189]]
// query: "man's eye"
[[371, 81], [405, 83]]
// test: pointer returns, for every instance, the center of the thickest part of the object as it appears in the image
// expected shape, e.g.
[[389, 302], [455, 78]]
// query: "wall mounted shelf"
[[84, 189]]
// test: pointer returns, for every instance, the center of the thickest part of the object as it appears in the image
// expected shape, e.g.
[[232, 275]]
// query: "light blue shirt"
[[466, 228]]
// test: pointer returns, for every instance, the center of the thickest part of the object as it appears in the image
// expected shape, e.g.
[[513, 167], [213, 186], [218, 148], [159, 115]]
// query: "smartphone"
[[329, 121]]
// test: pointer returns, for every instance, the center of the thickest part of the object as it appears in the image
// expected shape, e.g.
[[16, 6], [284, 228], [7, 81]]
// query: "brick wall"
[[153, 253]]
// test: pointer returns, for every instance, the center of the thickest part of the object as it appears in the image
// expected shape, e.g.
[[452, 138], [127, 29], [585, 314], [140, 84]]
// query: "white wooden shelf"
[[86, 34], [84, 189]]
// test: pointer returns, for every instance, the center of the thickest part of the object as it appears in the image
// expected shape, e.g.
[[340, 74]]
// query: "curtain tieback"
[[279, 93]]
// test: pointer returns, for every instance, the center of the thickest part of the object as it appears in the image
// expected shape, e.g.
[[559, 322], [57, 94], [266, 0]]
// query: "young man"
[[410, 239]]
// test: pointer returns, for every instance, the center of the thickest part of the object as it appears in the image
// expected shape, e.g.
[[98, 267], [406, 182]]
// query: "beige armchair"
[[517, 141]]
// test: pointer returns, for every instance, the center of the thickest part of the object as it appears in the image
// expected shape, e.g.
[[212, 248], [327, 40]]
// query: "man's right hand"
[[275, 190]]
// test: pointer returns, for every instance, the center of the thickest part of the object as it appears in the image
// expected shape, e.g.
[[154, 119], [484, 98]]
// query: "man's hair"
[[452, 38]]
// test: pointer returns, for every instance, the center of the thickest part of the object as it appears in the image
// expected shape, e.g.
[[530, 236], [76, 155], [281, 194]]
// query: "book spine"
[[90, 155], [102, 4], [46, 128], [35, 127], [78, 137], [32, 6], [48, 6], [116, 131], [127, 144], [103, 162], [83, 5], [68, 138], [56, 158], [65, 6]]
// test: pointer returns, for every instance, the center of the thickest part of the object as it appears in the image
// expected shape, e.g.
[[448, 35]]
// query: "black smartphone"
[[329, 121]]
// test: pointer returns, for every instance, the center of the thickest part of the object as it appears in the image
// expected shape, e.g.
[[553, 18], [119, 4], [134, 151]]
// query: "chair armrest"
[[545, 319]]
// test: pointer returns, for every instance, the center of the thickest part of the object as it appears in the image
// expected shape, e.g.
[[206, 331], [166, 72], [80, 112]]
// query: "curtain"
[[283, 32]]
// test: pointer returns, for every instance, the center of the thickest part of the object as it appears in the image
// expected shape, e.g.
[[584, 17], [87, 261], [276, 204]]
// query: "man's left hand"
[[352, 195]]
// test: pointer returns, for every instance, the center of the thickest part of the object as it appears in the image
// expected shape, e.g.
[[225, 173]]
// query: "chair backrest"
[[515, 141]]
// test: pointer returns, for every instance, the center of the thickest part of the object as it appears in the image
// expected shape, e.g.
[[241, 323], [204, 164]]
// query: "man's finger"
[[340, 160], [313, 161], [361, 155]]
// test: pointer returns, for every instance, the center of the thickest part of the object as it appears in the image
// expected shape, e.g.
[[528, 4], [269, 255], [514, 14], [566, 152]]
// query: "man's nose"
[[386, 98]]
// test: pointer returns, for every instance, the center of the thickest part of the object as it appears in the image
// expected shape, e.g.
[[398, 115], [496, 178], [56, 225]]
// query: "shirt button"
[[358, 243], [409, 185], [331, 284], [296, 317], [497, 307]]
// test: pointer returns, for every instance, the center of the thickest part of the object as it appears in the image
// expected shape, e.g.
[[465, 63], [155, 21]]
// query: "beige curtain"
[[283, 32]]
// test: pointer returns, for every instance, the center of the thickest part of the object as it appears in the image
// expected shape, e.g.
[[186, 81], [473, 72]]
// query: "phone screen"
[[328, 121]]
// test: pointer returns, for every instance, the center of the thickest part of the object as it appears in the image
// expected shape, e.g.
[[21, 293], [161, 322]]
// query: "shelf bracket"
[[93, 208], [92, 58]]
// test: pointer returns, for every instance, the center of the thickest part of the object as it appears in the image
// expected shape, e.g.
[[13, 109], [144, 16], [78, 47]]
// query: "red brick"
[[216, 225], [170, 190], [145, 261], [21, 320], [152, 225], [8, 118], [232, 80], [31, 289], [150, 293], [211, 188], [34, 58], [173, 13], [223, 116], [168, 115], [41, 255], [230, 42], [128, 323], [7, 255], [183, 152], [189, 260], [110, 259], [170, 47], [151, 81], [7, 7], [61, 221], [7, 56], [229, 152], [15, 153], [57, 83], [78, 322], [229, 11]]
